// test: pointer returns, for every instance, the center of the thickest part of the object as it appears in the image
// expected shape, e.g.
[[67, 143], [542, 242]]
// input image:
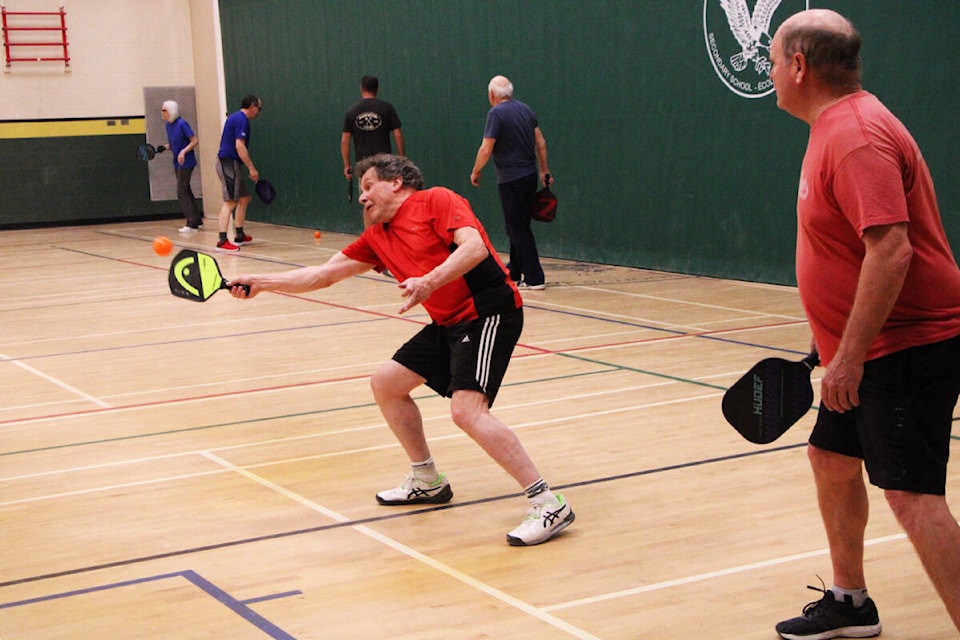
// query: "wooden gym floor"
[[179, 470]]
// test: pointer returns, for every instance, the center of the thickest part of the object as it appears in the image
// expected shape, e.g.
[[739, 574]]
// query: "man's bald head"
[[829, 42]]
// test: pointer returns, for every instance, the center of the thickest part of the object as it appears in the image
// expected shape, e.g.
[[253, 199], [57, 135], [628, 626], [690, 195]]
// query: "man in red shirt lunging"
[[442, 258]]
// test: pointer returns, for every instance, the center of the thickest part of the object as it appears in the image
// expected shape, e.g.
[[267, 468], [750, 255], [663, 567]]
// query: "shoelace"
[[535, 512], [822, 589]]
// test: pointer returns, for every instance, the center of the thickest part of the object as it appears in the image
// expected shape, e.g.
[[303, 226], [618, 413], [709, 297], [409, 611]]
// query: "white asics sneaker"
[[542, 522], [415, 491]]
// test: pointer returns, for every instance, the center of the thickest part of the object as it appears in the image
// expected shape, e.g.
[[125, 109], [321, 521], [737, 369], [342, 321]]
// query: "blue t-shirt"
[[178, 137], [511, 123], [237, 127]]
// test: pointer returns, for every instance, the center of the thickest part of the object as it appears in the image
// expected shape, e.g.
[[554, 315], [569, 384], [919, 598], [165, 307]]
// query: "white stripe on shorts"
[[488, 337]]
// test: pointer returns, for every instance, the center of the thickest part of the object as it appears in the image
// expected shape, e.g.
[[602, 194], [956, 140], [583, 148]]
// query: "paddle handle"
[[229, 285]]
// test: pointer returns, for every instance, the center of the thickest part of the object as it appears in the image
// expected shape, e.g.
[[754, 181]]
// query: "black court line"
[[260, 258], [377, 519]]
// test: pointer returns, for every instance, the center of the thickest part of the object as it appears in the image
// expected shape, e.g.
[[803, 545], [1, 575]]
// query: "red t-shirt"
[[862, 169], [420, 237]]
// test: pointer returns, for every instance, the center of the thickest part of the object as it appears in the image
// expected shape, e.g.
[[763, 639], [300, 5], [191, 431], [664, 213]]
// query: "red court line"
[[160, 403], [534, 351]]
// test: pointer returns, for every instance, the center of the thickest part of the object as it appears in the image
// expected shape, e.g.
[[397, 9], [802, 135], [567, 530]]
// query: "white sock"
[[540, 492], [858, 596], [425, 471]]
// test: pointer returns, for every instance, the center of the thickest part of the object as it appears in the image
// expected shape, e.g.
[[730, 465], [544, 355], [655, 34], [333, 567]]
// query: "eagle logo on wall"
[[751, 31], [738, 40]]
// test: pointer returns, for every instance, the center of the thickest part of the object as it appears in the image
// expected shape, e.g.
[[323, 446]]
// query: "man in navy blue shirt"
[[512, 136]]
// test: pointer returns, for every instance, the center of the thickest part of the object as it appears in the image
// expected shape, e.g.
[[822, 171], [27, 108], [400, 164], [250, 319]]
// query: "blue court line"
[[273, 596], [238, 607]]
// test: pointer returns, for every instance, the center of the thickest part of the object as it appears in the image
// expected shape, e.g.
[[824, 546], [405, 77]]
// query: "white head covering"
[[173, 109]]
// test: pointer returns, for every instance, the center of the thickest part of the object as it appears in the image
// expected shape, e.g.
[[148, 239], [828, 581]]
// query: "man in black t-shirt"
[[369, 122]]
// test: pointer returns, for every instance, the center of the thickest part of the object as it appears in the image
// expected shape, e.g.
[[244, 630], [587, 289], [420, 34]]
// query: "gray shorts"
[[232, 185], [901, 430]]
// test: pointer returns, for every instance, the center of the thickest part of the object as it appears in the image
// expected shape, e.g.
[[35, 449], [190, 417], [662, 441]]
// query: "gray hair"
[[172, 109], [500, 87], [389, 166]]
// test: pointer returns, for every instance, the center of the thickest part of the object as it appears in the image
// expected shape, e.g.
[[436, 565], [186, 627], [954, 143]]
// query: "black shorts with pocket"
[[901, 429]]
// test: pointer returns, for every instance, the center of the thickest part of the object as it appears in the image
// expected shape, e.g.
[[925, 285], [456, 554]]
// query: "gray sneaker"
[[827, 618], [415, 491]]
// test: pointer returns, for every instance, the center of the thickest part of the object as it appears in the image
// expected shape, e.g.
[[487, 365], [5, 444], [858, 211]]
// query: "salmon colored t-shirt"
[[863, 169]]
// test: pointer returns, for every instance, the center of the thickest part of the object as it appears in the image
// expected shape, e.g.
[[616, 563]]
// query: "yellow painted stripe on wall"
[[71, 128]]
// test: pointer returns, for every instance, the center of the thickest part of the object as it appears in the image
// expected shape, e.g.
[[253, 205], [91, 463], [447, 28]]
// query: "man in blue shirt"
[[512, 136], [234, 151]]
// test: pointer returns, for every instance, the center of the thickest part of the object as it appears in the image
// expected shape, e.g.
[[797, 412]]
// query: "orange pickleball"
[[162, 245]]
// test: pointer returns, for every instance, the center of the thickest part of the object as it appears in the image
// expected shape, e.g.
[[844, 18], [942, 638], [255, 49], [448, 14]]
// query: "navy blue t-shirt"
[[511, 123]]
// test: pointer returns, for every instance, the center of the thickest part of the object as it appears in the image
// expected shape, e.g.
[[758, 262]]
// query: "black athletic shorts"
[[901, 429], [471, 355]]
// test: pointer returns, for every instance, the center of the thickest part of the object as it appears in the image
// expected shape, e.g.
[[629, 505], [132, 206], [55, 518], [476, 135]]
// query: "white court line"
[[464, 578], [339, 432], [273, 463], [113, 487], [709, 576], [627, 294], [63, 385]]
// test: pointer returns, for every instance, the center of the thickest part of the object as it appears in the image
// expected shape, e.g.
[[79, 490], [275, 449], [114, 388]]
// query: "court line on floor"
[[239, 607], [374, 519], [569, 352], [444, 416], [434, 564], [631, 294], [702, 577], [56, 382], [166, 343], [579, 312]]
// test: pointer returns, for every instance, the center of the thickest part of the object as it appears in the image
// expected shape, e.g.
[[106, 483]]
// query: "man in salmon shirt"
[[881, 290], [435, 246]]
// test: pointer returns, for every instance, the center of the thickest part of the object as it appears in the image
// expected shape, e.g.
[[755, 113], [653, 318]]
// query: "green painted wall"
[[658, 164], [75, 179]]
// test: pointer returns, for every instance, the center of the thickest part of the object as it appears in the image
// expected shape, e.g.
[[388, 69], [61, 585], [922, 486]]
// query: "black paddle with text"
[[770, 398], [196, 276]]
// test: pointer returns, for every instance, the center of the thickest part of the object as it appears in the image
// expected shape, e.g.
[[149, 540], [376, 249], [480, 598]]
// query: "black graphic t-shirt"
[[370, 122]]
